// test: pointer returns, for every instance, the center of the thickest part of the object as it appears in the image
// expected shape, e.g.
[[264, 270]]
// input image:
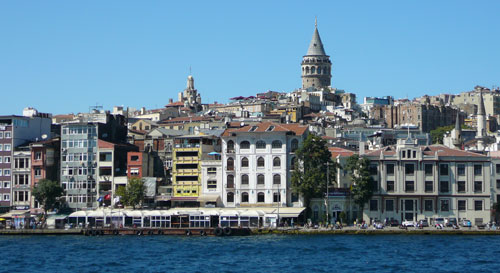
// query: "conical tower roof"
[[316, 46], [458, 128]]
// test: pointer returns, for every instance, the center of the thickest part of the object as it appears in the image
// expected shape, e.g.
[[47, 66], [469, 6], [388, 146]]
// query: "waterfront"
[[270, 253]]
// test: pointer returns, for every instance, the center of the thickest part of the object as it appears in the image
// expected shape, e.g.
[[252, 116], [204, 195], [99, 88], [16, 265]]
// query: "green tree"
[[133, 194], [47, 192], [310, 173], [363, 186], [437, 134]]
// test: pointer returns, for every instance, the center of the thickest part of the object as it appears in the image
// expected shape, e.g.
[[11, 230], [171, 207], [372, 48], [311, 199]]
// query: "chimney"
[[170, 100]]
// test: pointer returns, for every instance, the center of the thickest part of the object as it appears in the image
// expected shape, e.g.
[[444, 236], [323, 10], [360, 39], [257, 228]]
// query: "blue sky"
[[64, 56]]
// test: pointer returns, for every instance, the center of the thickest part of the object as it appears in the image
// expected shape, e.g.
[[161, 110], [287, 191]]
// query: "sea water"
[[266, 253]]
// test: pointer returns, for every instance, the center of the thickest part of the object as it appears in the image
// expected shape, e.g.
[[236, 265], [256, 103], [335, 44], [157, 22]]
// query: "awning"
[[213, 153], [289, 212], [184, 198], [81, 213], [252, 213], [15, 213], [58, 216], [208, 198]]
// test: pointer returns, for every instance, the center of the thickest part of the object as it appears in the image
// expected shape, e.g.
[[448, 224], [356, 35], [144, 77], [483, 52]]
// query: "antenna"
[[190, 73]]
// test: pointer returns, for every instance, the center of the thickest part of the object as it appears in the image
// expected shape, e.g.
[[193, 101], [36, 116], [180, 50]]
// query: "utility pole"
[[327, 192]]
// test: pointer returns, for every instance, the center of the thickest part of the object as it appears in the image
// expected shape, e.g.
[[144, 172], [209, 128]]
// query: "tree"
[[437, 134], [47, 193], [310, 173], [133, 193], [359, 169]]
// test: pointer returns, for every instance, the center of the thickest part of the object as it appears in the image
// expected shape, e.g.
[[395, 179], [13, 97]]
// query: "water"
[[270, 253]]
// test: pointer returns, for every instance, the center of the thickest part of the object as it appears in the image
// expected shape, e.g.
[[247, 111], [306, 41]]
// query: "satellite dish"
[[44, 136]]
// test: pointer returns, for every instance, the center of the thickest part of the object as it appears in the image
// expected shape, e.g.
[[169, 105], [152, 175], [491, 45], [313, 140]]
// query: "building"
[[80, 155], [14, 132], [258, 160], [21, 179], [427, 182], [316, 65]]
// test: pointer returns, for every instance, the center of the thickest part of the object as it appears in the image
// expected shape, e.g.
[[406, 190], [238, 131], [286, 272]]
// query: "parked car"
[[423, 223], [378, 225], [466, 223], [439, 222], [408, 223], [449, 222], [394, 223]]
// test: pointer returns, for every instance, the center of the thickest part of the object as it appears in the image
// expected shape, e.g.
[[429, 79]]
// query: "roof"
[[175, 104], [316, 46], [481, 110], [104, 144], [429, 151], [169, 132], [337, 151], [264, 126]]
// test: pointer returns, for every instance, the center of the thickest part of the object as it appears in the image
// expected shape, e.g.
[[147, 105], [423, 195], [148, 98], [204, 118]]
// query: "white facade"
[[211, 180]]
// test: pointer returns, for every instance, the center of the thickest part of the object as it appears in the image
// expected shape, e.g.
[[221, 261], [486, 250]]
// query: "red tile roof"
[[263, 126], [429, 150], [175, 104], [337, 151], [104, 144]]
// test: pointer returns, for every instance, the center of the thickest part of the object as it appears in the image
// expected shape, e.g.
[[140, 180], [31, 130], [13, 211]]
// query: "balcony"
[[229, 151]]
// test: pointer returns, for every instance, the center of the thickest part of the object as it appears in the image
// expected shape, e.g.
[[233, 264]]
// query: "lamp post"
[[327, 192]]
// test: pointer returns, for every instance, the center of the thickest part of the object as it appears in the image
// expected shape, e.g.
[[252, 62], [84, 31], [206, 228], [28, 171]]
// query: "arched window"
[[261, 197], [325, 71], [261, 179], [313, 70], [276, 197], [277, 179], [319, 70], [294, 145], [244, 162], [244, 197], [230, 146], [294, 161], [244, 179], [230, 181], [277, 144], [302, 70], [230, 197], [307, 69], [245, 145], [230, 164], [261, 144], [260, 162], [276, 162]]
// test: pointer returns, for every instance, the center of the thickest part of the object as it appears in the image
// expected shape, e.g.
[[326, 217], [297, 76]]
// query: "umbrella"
[[2, 219], [213, 153]]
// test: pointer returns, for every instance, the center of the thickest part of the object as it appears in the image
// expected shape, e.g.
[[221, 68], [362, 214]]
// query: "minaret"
[[316, 65], [481, 123], [457, 133]]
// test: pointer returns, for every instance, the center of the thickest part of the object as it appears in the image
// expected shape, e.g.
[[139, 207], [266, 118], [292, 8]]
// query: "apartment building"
[[415, 182], [21, 179]]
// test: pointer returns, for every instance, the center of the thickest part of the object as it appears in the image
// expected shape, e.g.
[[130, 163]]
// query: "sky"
[[65, 56]]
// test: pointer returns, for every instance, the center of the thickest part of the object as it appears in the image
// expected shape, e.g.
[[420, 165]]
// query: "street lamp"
[[327, 199]]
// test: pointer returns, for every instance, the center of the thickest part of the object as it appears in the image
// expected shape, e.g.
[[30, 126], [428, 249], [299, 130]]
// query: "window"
[[461, 186], [428, 169], [276, 144], [212, 170], [260, 162], [134, 171], [6, 184], [230, 197], [295, 197], [389, 205], [6, 159], [6, 197], [403, 154], [373, 169], [6, 172], [7, 135], [244, 179], [244, 162], [294, 145], [1, 135], [497, 168], [444, 186], [245, 145], [270, 128], [230, 181], [443, 169], [294, 162], [390, 186], [1, 161], [478, 205], [230, 164], [230, 146], [462, 205], [260, 179], [498, 183], [276, 197], [429, 186], [409, 186], [106, 157], [408, 205], [276, 162], [261, 197], [277, 179], [260, 144], [38, 155], [212, 184], [132, 158], [1, 147], [409, 169], [461, 169], [445, 205], [6, 147], [390, 169], [478, 186], [1, 172], [478, 169], [373, 205], [38, 172], [244, 197], [428, 205]]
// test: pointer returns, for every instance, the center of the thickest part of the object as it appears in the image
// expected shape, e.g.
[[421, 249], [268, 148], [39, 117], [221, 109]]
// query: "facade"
[[428, 182], [257, 163], [21, 179], [14, 132], [140, 164], [45, 156]]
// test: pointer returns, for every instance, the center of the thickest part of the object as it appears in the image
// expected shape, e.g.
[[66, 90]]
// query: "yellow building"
[[188, 152]]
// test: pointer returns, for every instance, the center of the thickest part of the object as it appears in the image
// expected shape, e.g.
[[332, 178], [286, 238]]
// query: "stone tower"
[[316, 65]]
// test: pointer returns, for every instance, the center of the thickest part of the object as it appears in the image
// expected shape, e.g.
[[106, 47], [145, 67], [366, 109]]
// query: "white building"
[[258, 160]]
